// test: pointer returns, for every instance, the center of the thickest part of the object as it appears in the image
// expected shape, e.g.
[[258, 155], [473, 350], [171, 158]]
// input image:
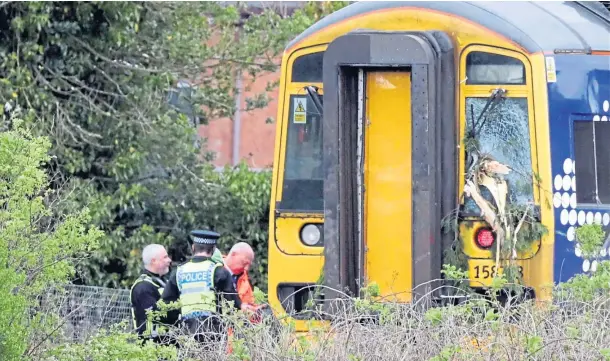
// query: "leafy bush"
[[590, 237], [37, 250], [243, 214]]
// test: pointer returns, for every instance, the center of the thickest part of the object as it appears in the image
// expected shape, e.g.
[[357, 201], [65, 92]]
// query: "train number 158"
[[488, 271]]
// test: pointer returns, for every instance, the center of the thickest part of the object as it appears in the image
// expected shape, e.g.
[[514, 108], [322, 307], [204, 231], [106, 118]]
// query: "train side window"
[[308, 68], [487, 68], [303, 173], [592, 161], [505, 136]]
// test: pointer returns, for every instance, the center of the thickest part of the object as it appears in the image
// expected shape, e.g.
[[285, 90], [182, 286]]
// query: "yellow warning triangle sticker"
[[300, 107]]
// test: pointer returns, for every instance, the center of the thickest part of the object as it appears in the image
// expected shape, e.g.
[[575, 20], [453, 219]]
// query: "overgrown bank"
[[574, 327]]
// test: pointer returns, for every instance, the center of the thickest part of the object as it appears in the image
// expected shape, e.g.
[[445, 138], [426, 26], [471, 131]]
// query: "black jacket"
[[223, 287], [144, 296]]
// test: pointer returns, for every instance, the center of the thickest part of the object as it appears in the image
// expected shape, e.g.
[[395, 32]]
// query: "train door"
[[389, 162], [387, 208]]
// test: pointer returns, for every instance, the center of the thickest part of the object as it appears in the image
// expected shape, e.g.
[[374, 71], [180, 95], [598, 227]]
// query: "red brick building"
[[248, 136]]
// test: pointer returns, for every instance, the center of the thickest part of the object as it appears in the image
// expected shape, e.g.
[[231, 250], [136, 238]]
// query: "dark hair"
[[203, 248]]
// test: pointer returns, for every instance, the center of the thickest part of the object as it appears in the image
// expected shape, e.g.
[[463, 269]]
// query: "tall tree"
[[101, 79]]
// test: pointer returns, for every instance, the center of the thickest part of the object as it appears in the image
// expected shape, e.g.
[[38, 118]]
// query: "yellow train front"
[[390, 112]]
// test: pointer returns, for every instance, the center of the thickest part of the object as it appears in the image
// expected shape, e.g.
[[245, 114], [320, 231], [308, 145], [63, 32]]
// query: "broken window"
[[502, 133]]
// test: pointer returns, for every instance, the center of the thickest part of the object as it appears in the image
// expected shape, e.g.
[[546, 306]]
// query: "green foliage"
[[454, 273], [96, 77], [530, 231], [242, 214], [113, 344], [260, 297], [434, 316], [37, 251], [534, 344], [318, 9], [454, 255], [447, 353], [586, 287], [369, 305], [590, 237]]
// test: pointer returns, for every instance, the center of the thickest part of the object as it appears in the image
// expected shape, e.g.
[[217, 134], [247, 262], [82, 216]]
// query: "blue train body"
[[579, 104]]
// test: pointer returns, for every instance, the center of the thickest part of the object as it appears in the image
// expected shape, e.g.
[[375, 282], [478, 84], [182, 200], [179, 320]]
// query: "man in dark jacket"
[[147, 290]]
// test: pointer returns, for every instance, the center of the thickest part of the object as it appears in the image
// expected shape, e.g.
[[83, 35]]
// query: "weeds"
[[572, 327]]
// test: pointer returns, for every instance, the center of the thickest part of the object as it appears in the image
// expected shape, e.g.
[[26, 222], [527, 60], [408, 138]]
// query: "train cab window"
[[504, 135], [592, 161], [487, 68], [308, 68], [303, 173]]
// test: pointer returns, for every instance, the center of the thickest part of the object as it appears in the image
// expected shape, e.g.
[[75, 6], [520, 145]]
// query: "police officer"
[[200, 284], [147, 290]]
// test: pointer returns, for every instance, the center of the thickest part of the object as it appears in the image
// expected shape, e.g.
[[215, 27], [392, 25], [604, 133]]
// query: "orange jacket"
[[244, 289]]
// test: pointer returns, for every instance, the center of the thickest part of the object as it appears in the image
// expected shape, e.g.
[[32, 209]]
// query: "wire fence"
[[86, 310]]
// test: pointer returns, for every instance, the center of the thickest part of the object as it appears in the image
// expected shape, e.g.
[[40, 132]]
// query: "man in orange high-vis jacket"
[[238, 262]]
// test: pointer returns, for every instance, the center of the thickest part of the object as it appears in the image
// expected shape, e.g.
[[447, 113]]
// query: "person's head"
[[200, 249], [240, 258], [156, 259]]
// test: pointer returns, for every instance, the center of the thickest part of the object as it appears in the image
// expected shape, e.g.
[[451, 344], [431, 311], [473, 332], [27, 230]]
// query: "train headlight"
[[310, 234]]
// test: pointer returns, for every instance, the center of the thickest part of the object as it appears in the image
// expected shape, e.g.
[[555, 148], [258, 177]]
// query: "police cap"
[[205, 237]]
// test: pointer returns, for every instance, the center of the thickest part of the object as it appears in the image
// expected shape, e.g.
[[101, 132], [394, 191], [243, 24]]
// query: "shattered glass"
[[505, 137]]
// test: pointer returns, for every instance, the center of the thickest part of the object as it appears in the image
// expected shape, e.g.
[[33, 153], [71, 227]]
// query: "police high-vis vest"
[[151, 329], [195, 282]]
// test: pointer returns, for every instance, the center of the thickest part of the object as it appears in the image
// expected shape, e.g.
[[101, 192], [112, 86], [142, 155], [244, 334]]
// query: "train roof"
[[535, 26]]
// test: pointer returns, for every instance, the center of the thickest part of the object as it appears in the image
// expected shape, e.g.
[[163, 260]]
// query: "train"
[[415, 135]]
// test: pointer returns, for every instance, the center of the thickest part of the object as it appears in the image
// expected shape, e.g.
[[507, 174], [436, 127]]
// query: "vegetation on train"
[[514, 223]]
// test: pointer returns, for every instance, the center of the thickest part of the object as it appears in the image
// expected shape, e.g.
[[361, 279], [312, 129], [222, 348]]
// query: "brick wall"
[[256, 138]]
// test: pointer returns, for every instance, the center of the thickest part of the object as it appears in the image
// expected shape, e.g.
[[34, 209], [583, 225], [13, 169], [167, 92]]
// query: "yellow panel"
[[291, 269], [468, 229], [411, 18], [541, 267], [387, 176], [288, 234]]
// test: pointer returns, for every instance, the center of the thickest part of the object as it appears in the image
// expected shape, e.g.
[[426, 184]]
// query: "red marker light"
[[485, 238]]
